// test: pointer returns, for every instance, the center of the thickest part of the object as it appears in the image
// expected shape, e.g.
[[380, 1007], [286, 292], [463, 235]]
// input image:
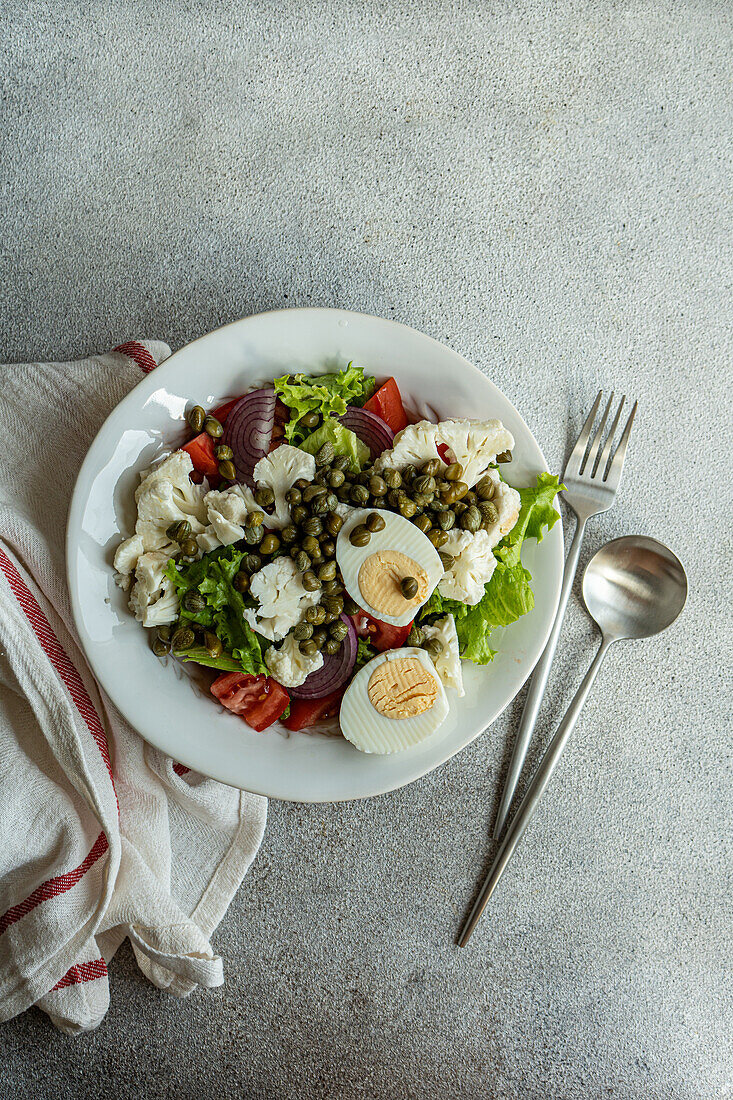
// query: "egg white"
[[398, 534], [372, 732]]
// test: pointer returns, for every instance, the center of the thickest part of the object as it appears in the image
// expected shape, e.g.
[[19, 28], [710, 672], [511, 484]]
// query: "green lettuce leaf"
[[326, 394], [536, 515], [344, 443], [212, 577], [364, 653]]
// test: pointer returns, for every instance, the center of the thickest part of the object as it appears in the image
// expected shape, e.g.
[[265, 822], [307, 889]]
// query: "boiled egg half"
[[373, 573], [393, 703]]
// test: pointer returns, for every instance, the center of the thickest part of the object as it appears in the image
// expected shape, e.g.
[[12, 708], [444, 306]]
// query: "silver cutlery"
[[633, 587], [592, 476]]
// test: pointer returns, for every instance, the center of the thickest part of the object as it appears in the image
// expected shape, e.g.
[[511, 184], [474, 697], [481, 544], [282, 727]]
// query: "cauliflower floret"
[[289, 666], [281, 597], [279, 471], [448, 665], [472, 568], [208, 540], [153, 599], [166, 495], [226, 513], [126, 556], [473, 443]]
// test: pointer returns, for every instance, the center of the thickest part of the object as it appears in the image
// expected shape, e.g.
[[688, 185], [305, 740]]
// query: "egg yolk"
[[379, 582], [402, 688]]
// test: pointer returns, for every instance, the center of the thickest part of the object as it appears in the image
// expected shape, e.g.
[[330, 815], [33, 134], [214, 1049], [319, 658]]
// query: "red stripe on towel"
[[139, 354]]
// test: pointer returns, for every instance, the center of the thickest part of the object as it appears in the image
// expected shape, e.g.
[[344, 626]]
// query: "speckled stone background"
[[546, 188]]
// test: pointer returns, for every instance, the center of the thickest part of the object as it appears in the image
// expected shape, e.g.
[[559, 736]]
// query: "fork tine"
[[578, 451], [613, 474], [591, 460], [603, 463]]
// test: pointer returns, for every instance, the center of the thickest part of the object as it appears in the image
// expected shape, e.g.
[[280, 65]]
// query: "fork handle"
[[538, 683], [536, 789]]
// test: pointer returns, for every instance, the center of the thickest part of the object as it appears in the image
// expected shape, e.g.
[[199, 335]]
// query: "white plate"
[[165, 709]]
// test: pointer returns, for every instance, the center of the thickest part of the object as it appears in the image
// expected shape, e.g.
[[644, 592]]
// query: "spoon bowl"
[[634, 587]]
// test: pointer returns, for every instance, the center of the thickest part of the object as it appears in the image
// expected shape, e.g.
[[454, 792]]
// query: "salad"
[[330, 559]]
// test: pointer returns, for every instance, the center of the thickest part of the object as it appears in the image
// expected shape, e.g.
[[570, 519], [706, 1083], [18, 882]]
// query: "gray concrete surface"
[[545, 187]]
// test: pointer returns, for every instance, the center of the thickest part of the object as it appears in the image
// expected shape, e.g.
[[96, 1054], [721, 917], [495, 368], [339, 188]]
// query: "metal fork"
[[592, 476]]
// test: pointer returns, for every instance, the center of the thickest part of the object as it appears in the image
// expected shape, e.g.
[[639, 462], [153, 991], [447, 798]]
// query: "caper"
[[362, 478], [459, 489], [289, 534], [312, 526], [360, 494], [293, 496], [320, 637], [374, 522], [394, 496], [301, 483], [360, 535], [408, 472], [315, 615], [339, 630], [213, 645], [194, 602], [351, 607], [331, 647], [302, 562], [331, 617], [241, 581], [485, 488], [336, 478], [325, 454], [161, 648], [422, 500], [333, 523], [253, 535], [377, 486], [334, 604], [270, 544], [265, 496], [294, 550], [438, 537], [489, 513], [332, 588], [224, 453], [343, 492], [163, 632], [416, 635], [433, 648], [189, 548], [407, 507], [470, 498], [424, 484], [505, 456], [459, 508], [409, 586], [454, 472], [179, 531], [308, 647], [310, 419], [298, 513], [431, 467], [251, 562], [228, 471], [341, 462], [302, 632], [196, 417], [327, 571], [328, 548], [213, 427], [254, 519], [331, 502], [310, 581], [321, 477], [447, 560], [317, 557], [311, 545], [312, 491], [471, 519], [392, 477], [183, 639], [422, 523]]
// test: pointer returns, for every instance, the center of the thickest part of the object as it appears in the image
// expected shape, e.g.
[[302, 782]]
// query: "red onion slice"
[[370, 429], [334, 672], [249, 431]]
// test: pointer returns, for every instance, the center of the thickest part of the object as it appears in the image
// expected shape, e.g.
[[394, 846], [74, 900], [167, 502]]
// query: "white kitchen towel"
[[101, 836]]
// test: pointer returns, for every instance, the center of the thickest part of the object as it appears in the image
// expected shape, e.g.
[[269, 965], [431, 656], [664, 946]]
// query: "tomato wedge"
[[387, 403], [221, 412], [304, 712], [201, 451], [381, 635], [259, 700]]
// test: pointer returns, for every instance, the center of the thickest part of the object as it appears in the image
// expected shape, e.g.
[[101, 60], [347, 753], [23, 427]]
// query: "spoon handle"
[[536, 789]]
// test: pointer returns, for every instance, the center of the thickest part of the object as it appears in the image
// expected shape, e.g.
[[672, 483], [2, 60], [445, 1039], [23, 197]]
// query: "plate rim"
[[73, 527]]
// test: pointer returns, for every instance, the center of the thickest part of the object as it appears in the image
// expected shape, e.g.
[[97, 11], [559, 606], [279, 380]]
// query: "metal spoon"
[[633, 587]]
